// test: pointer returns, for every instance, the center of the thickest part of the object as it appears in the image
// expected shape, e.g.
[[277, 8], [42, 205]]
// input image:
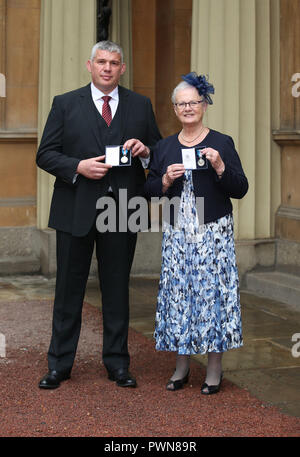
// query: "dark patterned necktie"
[[106, 111]]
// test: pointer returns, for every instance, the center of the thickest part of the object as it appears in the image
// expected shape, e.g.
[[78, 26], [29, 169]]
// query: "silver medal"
[[124, 158]]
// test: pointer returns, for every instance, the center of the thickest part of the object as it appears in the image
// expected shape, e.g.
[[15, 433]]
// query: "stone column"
[[67, 36], [288, 137], [121, 34], [68, 31], [231, 42]]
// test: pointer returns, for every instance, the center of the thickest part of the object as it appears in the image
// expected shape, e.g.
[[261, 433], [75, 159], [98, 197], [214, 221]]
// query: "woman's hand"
[[174, 171], [215, 159]]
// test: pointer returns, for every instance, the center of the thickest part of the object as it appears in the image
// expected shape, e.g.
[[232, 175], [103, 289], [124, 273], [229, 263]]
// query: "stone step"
[[19, 265], [276, 285]]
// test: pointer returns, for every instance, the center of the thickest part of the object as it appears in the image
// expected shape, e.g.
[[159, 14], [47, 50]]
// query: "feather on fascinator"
[[201, 84]]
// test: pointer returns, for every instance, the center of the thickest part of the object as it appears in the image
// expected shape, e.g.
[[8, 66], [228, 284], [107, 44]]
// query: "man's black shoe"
[[53, 379], [122, 377]]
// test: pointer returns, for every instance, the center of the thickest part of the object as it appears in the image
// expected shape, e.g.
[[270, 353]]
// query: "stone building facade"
[[249, 48]]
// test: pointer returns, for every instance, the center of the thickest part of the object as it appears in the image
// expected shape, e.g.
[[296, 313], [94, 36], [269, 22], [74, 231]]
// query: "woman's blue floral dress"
[[198, 307]]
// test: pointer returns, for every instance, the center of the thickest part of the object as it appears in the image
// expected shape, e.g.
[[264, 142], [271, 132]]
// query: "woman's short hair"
[[109, 46], [200, 83], [182, 85]]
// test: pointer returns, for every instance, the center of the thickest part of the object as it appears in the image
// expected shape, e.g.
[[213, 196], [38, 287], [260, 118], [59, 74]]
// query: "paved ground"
[[259, 397]]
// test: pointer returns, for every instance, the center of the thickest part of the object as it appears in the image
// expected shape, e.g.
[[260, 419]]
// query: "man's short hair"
[[109, 46]]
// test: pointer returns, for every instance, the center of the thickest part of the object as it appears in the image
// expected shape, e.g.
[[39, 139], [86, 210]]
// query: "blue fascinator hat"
[[201, 84]]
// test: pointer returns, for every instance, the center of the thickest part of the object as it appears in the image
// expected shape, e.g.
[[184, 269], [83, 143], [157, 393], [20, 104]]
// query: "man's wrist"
[[146, 153], [79, 168], [220, 171]]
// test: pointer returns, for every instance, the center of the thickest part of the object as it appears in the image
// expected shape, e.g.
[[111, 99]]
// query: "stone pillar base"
[[146, 261], [19, 250], [27, 250], [147, 257]]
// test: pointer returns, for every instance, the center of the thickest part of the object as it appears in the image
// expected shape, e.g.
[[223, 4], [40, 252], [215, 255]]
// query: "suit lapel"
[[123, 107], [88, 109]]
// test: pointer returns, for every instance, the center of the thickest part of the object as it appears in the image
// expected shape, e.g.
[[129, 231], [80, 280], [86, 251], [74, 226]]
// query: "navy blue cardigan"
[[216, 192]]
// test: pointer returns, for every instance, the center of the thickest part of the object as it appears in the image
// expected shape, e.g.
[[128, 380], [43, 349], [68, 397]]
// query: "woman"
[[198, 306]]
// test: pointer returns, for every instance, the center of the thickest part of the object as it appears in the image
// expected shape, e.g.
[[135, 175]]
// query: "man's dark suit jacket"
[[73, 133]]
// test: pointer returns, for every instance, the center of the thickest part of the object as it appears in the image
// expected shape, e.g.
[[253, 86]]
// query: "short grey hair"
[[182, 85], [109, 46]]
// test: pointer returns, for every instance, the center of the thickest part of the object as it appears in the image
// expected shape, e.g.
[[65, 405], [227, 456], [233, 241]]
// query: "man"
[[79, 127]]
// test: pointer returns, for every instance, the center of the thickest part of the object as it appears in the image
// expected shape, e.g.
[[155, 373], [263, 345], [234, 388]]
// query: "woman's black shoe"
[[178, 384], [209, 390]]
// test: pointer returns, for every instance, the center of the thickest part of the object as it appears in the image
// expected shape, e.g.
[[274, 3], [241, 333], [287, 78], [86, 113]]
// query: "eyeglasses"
[[181, 106]]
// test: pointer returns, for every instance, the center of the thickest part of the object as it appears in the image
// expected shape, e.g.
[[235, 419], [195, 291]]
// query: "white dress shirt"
[[113, 103], [97, 98]]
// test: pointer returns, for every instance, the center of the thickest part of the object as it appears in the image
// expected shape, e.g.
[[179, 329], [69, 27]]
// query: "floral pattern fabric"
[[198, 305]]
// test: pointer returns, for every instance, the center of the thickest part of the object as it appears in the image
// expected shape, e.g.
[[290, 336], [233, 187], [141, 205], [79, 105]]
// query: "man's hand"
[[93, 168], [137, 148]]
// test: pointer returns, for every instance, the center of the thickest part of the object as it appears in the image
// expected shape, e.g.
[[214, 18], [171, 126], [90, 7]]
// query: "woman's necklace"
[[192, 141]]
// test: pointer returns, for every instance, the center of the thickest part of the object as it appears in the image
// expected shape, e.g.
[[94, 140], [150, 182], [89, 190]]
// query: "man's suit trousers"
[[114, 252]]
